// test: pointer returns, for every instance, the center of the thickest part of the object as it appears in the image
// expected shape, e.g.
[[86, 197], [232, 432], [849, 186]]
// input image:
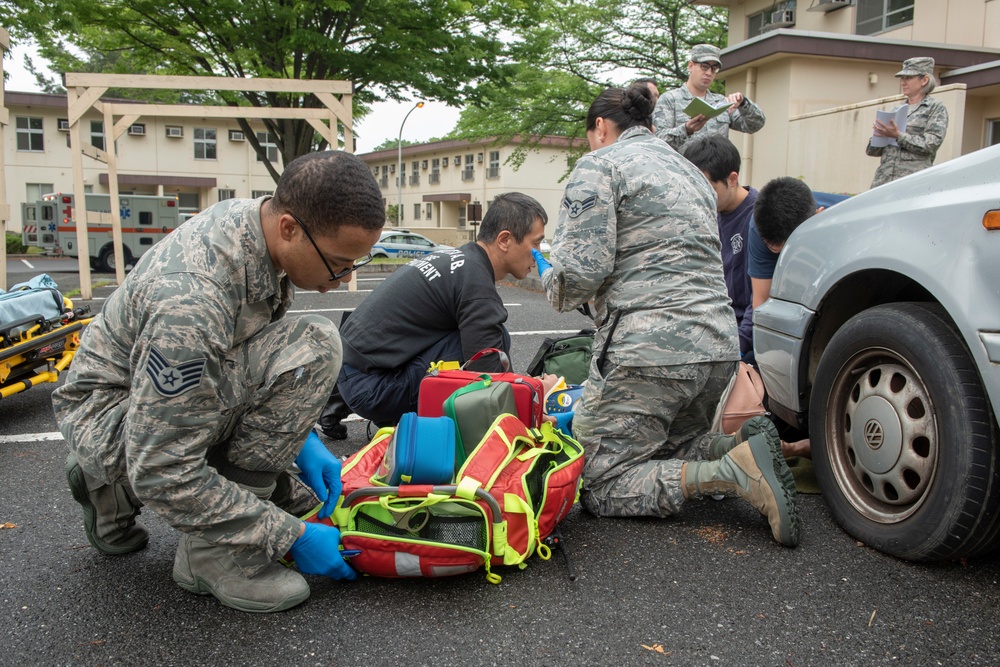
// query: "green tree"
[[437, 49], [577, 49]]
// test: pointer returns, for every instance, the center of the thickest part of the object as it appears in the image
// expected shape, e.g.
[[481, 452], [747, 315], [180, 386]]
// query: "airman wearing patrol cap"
[[917, 67], [672, 124], [913, 147]]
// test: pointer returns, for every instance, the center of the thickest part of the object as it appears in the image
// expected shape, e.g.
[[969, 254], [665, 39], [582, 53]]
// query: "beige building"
[[442, 182], [821, 68], [202, 161]]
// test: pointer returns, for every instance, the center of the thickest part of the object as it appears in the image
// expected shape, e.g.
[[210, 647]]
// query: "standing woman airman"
[[926, 125]]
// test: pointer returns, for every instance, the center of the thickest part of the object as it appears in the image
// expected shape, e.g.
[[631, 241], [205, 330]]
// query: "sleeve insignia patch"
[[170, 380], [576, 207]]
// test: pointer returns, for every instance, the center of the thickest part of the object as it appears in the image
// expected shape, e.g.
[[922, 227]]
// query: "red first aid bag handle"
[[504, 359]]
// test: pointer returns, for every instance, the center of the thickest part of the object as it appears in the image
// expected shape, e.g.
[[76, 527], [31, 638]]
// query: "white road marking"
[[28, 264], [31, 437]]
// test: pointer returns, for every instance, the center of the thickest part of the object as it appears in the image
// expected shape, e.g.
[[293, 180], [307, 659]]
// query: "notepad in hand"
[[700, 106], [898, 115]]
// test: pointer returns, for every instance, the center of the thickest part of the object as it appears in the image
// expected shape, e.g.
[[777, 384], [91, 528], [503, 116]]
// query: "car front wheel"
[[903, 436]]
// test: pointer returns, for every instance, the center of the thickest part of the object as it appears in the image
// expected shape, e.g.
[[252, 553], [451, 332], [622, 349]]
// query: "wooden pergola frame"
[[83, 92], [4, 204]]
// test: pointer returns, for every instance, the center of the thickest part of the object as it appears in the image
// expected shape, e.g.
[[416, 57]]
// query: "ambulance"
[[145, 220]]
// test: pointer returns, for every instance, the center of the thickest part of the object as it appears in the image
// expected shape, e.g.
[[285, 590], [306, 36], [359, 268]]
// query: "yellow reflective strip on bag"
[[500, 538], [467, 488]]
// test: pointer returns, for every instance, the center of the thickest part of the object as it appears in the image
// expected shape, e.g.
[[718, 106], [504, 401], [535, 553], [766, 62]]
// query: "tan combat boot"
[[209, 569], [722, 444], [108, 512], [756, 472]]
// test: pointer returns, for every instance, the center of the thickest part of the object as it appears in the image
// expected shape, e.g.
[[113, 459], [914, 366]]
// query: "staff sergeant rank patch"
[[576, 207], [173, 380]]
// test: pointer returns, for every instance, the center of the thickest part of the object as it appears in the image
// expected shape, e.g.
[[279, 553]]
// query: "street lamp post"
[[399, 167]]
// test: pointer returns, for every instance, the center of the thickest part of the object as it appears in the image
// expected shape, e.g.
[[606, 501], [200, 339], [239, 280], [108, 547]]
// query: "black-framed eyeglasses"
[[340, 274], [712, 67]]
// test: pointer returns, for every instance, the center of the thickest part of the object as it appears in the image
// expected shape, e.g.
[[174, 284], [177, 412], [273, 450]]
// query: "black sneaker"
[[334, 431]]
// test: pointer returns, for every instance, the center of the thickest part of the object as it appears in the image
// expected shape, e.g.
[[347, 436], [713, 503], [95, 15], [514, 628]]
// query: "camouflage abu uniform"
[[637, 233], [191, 380], [926, 125], [669, 117]]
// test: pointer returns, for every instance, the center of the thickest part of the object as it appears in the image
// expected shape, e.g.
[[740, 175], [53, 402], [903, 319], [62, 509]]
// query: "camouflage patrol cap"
[[917, 67], [703, 53]]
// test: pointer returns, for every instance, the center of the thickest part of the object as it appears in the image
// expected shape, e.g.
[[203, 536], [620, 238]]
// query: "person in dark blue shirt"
[[782, 205], [719, 160]]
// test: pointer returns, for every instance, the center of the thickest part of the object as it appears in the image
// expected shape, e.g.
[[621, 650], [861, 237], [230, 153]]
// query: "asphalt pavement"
[[708, 587]]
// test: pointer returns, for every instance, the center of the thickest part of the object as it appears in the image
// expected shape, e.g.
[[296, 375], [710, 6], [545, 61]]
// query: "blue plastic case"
[[422, 451]]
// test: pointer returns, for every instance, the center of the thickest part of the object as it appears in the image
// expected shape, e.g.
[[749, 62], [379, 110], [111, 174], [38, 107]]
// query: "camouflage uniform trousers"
[[638, 426], [275, 398]]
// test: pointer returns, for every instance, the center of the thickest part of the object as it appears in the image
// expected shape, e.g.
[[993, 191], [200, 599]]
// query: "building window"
[[266, 141], [493, 171], [415, 178], [29, 134], [226, 194], [757, 22], [469, 173], [416, 211], [34, 191], [257, 194], [97, 134], [429, 207], [875, 16], [993, 132], [384, 181], [204, 143], [461, 216]]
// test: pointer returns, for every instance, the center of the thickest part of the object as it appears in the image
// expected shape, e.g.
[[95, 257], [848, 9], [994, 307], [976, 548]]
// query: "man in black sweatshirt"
[[444, 306]]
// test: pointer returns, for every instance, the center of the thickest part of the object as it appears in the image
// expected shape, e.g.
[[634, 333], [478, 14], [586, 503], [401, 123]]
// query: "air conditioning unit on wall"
[[782, 19]]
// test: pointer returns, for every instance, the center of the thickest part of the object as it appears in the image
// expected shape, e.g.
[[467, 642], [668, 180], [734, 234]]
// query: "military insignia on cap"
[[171, 380], [576, 207]]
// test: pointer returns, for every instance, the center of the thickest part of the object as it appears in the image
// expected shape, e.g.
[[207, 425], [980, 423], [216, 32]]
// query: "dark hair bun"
[[637, 101]]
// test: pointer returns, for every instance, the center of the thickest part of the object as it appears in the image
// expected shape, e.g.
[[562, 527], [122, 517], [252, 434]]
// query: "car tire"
[[106, 263], [903, 437]]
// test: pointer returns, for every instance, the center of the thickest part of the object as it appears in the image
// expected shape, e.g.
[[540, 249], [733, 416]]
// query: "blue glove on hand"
[[321, 471], [318, 552], [564, 422], [540, 261]]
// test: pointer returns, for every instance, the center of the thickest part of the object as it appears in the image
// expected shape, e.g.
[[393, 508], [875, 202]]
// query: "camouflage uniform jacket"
[[926, 125], [637, 233], [157, 350], [669, 117]]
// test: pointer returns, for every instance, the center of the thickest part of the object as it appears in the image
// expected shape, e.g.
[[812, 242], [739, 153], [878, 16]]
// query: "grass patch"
[[76, 292]]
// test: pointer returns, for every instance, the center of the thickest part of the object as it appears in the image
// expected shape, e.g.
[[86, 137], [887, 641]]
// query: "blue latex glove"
[[564, 422], [321, 471], [540, 261], [318, 552]]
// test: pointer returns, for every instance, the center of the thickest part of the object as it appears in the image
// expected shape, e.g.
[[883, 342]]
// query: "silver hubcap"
[[885, 444]]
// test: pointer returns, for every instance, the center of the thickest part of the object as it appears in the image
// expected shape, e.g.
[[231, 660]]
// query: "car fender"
[[927, 228]]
